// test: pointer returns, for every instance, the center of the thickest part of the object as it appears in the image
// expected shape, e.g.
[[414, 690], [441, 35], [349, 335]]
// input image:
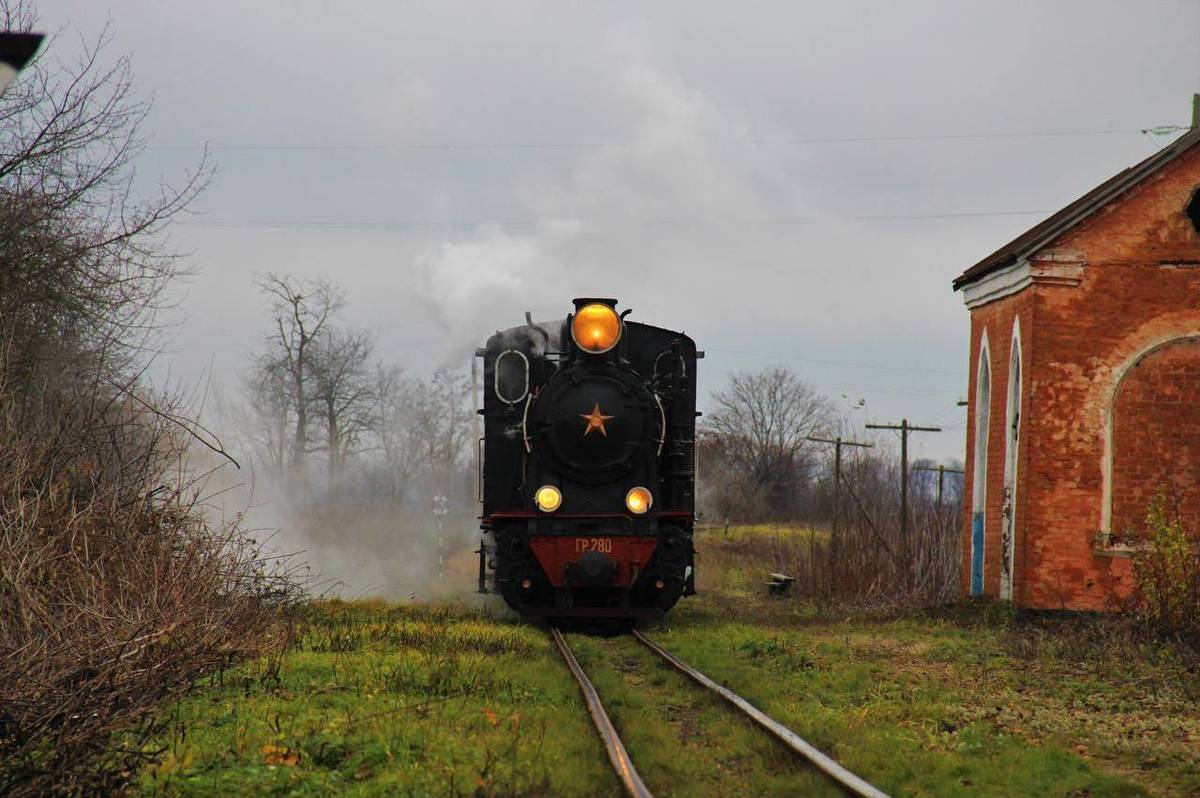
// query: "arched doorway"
[[1012, 427], [983, 403]]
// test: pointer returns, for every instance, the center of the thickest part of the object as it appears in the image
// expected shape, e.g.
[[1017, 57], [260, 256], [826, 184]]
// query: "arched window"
[[983, 404], [1012, 445]]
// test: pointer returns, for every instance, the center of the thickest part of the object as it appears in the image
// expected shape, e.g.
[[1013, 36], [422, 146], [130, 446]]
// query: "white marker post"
[[440, 508]]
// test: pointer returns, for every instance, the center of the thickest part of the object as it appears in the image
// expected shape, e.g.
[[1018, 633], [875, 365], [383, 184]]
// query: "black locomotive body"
[[588, 465]]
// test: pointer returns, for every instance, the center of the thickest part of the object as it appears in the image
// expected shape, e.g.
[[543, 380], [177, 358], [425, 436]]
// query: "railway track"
[[623, 764]]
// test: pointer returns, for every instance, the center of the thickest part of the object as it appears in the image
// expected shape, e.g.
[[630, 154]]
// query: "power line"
[[423, 226], [834, 362], [959, 136], [375, 147], [586, 145], [942, 415], [898, 390]]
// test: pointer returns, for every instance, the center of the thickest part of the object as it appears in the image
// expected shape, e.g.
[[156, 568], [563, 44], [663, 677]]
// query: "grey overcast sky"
[[792, 183]]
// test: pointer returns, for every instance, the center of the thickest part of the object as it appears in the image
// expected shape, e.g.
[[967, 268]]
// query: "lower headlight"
[[638, 500], [548, 498]]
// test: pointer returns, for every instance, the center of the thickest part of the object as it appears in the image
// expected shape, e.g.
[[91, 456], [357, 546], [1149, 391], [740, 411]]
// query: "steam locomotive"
[[587, 467]]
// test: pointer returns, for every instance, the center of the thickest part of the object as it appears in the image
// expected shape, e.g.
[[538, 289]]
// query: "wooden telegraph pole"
[[905, 428], [835, 534], [942, 471]]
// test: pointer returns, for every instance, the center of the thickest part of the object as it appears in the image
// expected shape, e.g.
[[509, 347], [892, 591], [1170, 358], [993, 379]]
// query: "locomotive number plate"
[[603, 545]]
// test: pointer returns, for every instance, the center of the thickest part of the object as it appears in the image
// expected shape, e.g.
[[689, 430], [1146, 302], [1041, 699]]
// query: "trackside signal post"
[[441, 506]]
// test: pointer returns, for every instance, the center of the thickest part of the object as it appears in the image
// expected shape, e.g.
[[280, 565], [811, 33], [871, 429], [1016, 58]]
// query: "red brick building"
[[1084, 396]]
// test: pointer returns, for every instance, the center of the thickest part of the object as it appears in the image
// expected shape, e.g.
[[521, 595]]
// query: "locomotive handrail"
[[479, 470], [525, 424], [662, 420]]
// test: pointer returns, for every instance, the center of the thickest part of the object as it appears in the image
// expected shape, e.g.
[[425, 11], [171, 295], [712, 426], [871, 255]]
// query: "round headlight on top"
[[596, 328]]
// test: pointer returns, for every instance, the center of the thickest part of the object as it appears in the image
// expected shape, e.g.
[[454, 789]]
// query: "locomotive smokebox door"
[[591, 421]]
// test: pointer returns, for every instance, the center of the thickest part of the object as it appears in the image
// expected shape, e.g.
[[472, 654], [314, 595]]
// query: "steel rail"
[[847, 780], [608, 734]]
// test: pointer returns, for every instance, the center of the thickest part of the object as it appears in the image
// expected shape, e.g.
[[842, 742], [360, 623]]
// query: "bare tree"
[[440, 416], [301, 310], [397, 438], [759, 425], [83, 261], [344, 391], [422, 426], [265, 415], [119, 589]]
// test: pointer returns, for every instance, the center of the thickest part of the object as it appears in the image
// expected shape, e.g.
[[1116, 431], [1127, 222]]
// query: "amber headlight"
[[596, 328], [548, 498], [638, 500]]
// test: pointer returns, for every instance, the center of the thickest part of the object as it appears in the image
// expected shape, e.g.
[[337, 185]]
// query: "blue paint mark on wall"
[[977, 554]]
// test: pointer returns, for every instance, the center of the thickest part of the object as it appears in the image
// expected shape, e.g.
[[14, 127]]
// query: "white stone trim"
[[978, 487], [979, 457], [1012, 458], [999, 284]]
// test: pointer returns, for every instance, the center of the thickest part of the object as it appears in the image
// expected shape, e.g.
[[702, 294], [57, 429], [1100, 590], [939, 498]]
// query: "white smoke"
[[490, 279]]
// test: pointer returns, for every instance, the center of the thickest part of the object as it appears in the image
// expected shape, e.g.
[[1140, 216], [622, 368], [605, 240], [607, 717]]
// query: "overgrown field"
[[418, 700]]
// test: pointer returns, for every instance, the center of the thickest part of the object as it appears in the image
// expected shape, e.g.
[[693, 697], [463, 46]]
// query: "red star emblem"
[[595, 420]]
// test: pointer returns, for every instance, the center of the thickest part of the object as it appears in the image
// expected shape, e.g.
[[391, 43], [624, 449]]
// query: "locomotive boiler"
[[587, 467]]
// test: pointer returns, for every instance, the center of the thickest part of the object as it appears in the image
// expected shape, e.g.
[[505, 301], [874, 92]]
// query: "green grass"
[[417, 700], [382, 700], [783, 532], [869, 694], [684, 741]]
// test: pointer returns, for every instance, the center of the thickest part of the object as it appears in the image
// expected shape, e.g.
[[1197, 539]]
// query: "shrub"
[[1167, 563], [116, 590]]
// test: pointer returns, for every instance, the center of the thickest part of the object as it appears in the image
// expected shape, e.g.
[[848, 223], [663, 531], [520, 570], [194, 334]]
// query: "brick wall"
[[1156, 436], [1106, 293]]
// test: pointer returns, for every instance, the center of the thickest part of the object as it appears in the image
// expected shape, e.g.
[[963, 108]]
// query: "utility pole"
[[837, 443], [942, 471], [905, 428]]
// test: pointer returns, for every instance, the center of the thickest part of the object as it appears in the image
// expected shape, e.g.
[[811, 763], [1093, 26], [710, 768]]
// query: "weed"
[[784, 652], [1167, 562]]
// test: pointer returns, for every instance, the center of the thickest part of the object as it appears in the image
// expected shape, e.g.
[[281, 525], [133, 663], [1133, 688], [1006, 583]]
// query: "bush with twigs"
[[1166, 599], [117, 587], [858, 553], [116, 590]]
